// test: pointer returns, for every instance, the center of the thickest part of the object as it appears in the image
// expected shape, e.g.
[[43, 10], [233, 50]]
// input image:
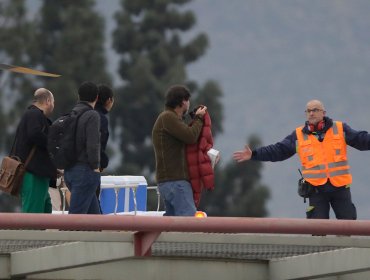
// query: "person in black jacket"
[[321, 145], [83, 178], [32, 132], [103, 106]]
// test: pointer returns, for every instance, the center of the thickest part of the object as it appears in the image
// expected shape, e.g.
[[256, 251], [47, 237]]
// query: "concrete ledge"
[[318, 265], [115, 236], [110, 255], [165, 269], [243, 238], [68, 255], [4, 266]]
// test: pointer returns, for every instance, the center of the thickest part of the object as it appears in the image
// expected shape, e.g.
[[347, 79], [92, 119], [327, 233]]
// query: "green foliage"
[[70, 41], [209, 95], [238, 191], [152, 58], [16, 32], [13, 21]]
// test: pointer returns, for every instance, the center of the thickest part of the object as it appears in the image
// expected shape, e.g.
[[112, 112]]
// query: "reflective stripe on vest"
[[331, 165], [324, 160], [323, 175]]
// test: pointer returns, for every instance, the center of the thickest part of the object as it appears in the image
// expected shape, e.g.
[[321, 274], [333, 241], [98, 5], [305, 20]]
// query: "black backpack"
[[62, 139]]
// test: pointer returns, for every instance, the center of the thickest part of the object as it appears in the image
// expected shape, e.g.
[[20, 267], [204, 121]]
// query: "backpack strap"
[[84, 110], [30, 155], [79, 114]]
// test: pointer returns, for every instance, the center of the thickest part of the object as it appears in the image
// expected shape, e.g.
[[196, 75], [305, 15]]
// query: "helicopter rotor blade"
[[24, 70]]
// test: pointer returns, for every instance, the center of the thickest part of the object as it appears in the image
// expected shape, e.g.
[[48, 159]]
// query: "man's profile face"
[[186, 106], [50, 105]]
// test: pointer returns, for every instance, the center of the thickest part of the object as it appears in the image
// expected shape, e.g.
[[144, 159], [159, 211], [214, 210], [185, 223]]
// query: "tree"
[[153, 56], [238, 191], [70, 41], [16, 32], [210, 95]]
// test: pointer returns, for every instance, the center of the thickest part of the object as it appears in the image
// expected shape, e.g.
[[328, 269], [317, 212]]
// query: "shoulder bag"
[[12, 171]]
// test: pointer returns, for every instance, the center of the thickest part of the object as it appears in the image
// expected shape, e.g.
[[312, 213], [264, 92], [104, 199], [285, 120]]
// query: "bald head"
[[315, 103], [315, 111], [41, 95], [44, 99]]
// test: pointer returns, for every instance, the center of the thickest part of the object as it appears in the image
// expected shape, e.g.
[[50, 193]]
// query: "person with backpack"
[[31, 142], [82, 176]]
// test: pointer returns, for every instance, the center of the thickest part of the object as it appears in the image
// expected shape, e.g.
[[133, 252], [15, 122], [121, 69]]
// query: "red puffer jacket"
[[199, 165]]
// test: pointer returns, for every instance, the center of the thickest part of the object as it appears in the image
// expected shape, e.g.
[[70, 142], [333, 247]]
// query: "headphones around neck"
[[319, 126]]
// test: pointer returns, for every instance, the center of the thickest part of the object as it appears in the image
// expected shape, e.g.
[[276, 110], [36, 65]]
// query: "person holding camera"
[[321, 145], [170, 135]]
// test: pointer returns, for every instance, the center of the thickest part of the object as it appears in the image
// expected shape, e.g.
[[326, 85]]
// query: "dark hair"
[[176, 95], [104, 93], [88, 91]]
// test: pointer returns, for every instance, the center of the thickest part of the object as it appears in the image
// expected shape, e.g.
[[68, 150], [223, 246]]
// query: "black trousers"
[[338, 198]]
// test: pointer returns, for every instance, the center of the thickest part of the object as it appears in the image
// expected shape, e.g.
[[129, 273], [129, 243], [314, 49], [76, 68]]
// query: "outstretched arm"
[[276, 152], [243, 155], [359, 140]]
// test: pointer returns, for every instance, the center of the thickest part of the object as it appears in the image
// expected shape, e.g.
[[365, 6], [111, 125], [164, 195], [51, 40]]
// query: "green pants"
[[35, 194]]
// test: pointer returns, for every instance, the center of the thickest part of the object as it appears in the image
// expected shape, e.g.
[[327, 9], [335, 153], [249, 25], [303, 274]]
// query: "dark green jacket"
[[170, 135]]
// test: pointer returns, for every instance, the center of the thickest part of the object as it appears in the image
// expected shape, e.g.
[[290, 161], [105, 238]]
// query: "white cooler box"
[[123, 194]]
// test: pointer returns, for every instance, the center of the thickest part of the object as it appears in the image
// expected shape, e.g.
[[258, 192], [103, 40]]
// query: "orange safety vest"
[[324, 160]]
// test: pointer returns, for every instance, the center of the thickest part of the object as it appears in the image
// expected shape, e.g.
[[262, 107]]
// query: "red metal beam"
[[184, 224], [143, 242]]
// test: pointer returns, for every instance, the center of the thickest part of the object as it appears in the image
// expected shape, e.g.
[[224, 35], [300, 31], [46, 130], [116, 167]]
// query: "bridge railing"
[[147, 229]]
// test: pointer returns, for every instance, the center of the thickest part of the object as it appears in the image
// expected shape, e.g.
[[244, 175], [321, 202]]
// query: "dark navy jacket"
[[104, 135], [286, 148]]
